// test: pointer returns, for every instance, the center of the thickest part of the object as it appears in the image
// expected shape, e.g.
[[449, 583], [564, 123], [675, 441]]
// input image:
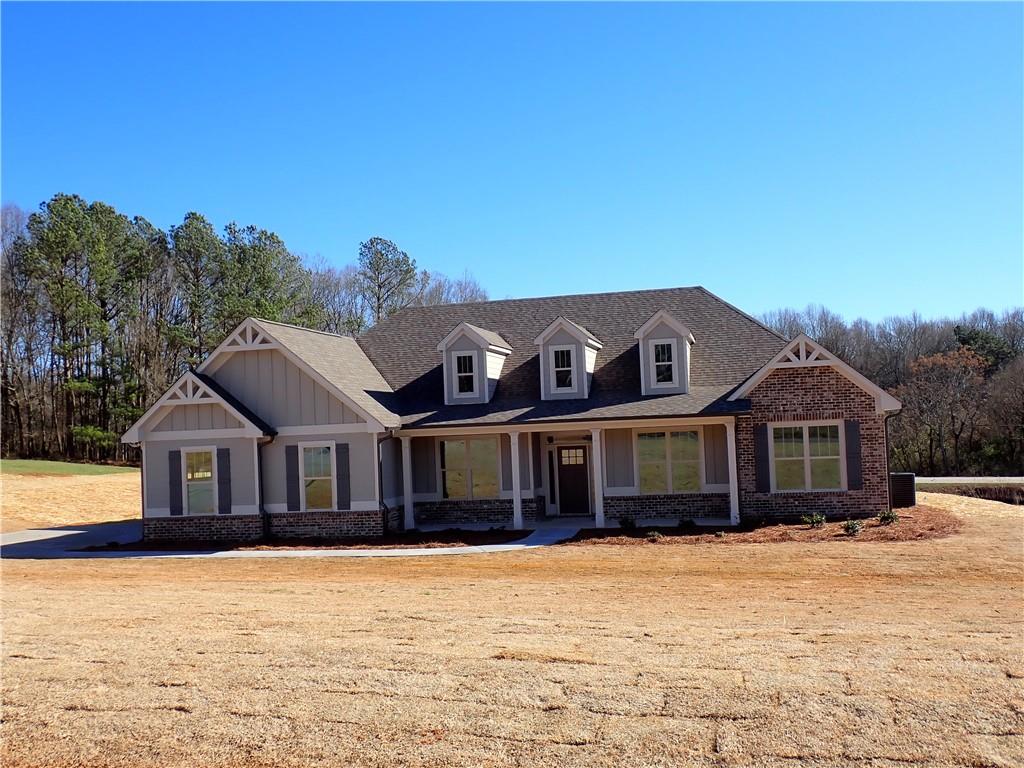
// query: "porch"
[[654, 472]]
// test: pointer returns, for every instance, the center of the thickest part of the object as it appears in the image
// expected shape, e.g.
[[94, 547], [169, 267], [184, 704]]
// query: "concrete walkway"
[[66, 543]]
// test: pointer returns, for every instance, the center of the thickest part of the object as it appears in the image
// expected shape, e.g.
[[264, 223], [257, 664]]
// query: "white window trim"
[[701, 460], [651, 364], [212, 450], [807, 455], [573, 368], [468, 470], [455, 375], [302, 474]]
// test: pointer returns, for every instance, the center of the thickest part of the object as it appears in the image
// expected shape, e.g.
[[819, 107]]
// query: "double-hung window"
[[807, 457], [669, 462], [465, 374], [469, 468], [562, 375], [663, 363], [200, 481], [317, 476]]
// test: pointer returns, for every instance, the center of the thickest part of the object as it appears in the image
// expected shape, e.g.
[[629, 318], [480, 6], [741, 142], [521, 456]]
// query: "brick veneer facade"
[[288, 525], [493, 511], [690, 506], [812, 394]]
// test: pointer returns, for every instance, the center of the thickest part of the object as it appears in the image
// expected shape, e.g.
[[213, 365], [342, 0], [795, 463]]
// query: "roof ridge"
[[548, 298], [303, 328]]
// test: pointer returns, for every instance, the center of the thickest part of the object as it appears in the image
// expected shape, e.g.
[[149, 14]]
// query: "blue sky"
[[866, 157]]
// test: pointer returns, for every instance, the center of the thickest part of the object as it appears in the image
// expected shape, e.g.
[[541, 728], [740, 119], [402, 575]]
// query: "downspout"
[[384, 509], [888, 469], [264, 515]]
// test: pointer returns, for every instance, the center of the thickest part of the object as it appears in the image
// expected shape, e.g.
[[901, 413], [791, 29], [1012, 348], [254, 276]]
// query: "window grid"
[[669, 462], [200, 492], [562, 366], [465, 376], [807, 458], [664, 364], [317, 477]]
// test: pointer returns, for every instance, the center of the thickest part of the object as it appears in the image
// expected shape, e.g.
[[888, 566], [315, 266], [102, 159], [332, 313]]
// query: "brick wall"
[[338, 524], [686, 506], [811, 394], [287, 525], [205, 528], [492, 511]]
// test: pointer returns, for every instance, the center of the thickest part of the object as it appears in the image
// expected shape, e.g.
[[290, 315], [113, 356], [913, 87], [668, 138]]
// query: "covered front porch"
[[583, 474]]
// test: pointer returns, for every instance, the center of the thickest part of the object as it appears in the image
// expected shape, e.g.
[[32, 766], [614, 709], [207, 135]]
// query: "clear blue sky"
[[866, 157]]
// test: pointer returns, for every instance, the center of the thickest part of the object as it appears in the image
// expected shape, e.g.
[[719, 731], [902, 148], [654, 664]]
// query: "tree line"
[[961, 383], [101, 312]]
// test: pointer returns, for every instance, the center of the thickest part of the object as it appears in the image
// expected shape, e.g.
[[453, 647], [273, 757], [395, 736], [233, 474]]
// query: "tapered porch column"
[[734, 484], [517, 491], [597, 471], [407, 508]]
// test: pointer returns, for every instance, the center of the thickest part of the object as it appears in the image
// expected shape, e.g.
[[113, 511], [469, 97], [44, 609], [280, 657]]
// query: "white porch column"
[[407, 508], [734, 484], [598, 474], [517, 490]]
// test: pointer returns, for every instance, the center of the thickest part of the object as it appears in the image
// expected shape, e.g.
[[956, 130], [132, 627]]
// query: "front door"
[[573, 491]]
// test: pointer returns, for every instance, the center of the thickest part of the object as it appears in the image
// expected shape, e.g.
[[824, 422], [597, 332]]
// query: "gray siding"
[[188, 417], [424, 468], [716, 457], [243, 479], [506, 462], [391, 470], [362, 467], [618, 449], [559, 339], [663, 331], [279, 392]]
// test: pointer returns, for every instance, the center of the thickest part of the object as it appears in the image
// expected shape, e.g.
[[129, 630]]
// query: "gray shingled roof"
[[490, 337], [341, 361], [730, 346]]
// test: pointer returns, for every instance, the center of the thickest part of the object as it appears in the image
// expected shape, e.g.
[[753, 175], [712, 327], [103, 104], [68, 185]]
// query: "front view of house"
[[661, 404]]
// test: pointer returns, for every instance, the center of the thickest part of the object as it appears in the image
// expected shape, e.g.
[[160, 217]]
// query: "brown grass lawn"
[[821, 654], [39, 501]]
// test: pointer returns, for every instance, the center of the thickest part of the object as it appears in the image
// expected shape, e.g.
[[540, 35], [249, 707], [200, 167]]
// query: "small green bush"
[[655, 536], [852, 527], [719, 534], [888, 517], [816, 520]]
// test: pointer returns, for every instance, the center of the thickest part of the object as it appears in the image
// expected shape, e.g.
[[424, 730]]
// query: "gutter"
[[264, 515]]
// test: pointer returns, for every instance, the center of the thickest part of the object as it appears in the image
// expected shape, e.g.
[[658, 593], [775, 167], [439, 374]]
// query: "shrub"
[[888, 517], [816, 520], [852, 527], [627, 523], [654, 536], [719, 534]]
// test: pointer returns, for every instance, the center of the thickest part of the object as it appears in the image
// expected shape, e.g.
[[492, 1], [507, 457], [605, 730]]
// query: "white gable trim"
[[247, 337], [190, 390], [804, 352], [465, 329], [270, 342], [663, 316], [562, 324]]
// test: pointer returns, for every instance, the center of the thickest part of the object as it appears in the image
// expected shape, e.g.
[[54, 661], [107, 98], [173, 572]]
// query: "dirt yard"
[[780, 654]]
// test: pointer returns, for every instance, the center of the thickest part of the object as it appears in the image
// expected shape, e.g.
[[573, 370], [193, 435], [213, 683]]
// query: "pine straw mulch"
[[914, 524]]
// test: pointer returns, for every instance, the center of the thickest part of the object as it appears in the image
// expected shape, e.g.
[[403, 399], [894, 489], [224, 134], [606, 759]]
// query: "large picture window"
[[469, 468], [669, 462], [318, 477], [200, 482], [807, 457]]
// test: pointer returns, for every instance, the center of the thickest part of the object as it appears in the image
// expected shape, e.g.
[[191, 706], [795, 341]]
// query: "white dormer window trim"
[[553, 370], [473, 374], [654, 364]]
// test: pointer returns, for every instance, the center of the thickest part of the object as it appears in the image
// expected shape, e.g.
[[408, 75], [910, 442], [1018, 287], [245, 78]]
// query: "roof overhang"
[[804, 352]]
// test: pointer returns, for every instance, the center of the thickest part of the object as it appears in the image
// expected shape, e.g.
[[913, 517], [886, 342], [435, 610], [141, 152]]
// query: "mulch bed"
[[412, 540], [917, 523]]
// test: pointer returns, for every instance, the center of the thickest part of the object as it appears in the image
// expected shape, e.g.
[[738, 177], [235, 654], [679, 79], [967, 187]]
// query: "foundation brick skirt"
[[286, 525], [492, 511], [686, 506]]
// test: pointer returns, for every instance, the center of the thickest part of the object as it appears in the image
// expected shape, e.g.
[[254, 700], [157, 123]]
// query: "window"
[[807, 458], [669, 462], [318, 476], [465, 374], [562, 369], [663, 363], [200, 482], [572, 456], [469, 468]]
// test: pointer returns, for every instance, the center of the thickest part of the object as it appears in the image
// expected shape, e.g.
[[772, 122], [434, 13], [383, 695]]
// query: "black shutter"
[[343, 478], [854, 476], [291, 468], [762, 471], [224, 481], [174, 481]]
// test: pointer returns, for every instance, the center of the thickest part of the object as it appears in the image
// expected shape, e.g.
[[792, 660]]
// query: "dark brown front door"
[[573, 493]]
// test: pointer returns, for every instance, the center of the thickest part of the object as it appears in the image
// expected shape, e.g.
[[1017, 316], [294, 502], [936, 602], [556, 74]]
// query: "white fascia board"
[[561, 323], [663, 316]]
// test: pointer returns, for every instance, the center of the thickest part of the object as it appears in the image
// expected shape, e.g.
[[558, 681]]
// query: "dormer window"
[[663, 357], [465, 374], [562, 370]]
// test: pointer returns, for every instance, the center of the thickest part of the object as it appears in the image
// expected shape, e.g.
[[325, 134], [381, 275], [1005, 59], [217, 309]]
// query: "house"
[[641, 404]]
